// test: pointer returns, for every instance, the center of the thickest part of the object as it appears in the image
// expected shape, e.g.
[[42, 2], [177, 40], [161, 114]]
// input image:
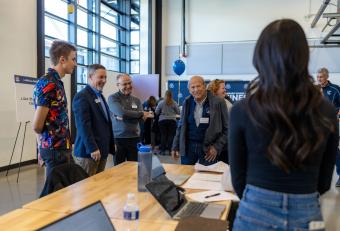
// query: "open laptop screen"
[[157, 167], [168, 195], [92, 217]]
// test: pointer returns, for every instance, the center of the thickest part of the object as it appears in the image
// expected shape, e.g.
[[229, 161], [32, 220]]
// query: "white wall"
[[221, 21], [111, 84], [18, 41]]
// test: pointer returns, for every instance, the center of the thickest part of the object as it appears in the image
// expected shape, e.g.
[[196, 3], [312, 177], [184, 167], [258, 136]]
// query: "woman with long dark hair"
[[283, 137], [167, 110]]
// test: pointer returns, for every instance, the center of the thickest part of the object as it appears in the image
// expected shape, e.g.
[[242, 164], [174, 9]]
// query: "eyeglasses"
[[125, 84]]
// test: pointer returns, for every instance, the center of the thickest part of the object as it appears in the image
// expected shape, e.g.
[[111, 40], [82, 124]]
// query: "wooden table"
[[31, 219], [27, 219], [112, 187]]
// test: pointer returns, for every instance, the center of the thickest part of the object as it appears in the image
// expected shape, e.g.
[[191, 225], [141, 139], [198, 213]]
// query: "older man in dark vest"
[[202, 130]]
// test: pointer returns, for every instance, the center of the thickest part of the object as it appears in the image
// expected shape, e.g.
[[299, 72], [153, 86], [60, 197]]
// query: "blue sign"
[[236, 90], [25, 80]]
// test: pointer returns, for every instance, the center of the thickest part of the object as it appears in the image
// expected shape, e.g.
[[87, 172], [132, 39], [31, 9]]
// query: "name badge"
[[204, 120], [134, 106], [97, 100]]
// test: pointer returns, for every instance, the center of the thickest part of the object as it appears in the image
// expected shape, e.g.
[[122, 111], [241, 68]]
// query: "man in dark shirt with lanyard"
[[332, 93], [50, 122]]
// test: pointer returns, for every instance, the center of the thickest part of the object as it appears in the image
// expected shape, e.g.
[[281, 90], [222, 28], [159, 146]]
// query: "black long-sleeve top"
[[249, 165]]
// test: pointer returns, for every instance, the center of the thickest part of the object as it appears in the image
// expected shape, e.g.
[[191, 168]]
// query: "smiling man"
[[202, 131], [127, 112], [94, 140]]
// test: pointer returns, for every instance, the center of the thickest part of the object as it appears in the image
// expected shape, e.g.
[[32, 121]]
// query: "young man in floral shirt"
[[51, 123]]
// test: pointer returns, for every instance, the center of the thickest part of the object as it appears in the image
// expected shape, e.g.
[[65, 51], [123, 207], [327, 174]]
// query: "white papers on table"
[[226, 181], [178, 179], [204, 181], [222, 196], [218, 167]]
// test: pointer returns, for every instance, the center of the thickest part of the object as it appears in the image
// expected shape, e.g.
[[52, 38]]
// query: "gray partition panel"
[[324, 57], [204, 59], [237, 58], [171, 54]]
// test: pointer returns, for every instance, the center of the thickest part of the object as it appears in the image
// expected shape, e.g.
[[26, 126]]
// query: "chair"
[[62, 176]]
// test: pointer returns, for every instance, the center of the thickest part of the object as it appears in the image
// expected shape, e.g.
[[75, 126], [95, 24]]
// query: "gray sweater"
[[167, 112], [126, 113]]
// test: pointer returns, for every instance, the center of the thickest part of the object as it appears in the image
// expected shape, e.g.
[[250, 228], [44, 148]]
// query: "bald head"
[[196, 78], [124, 83], [197, 88]]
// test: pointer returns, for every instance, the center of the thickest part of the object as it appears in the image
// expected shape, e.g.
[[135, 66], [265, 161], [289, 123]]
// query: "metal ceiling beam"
[[331, 33], [319, 13]]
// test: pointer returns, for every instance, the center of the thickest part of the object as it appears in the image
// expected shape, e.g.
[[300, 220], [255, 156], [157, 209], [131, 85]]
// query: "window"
[[56, 28], [134, 36], [104, 31], [109, 14], [57, 7]]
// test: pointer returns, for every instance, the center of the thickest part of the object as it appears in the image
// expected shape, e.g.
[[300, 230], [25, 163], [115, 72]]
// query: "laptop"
[[172, 199], [91, 218], [157, 167]]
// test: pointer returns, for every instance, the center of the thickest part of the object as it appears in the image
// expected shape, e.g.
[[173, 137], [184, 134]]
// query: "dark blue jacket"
[[94, 131], [332, 93]]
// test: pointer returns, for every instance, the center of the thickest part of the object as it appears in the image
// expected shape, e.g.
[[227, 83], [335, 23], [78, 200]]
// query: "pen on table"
[[213, 195]]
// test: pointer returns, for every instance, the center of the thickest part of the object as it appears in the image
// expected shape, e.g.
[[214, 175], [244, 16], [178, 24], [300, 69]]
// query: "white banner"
[[24, 97]]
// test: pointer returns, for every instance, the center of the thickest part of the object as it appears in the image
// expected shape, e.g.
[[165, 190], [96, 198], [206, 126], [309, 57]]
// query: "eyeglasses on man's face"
[[124, 84]]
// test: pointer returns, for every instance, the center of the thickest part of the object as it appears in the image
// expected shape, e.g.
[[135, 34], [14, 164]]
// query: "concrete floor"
[[13, 195]]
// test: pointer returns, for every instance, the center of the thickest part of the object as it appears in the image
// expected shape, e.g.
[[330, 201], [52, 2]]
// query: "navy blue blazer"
[[94, 131]]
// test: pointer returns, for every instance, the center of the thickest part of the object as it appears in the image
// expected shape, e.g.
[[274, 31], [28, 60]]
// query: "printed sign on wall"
[[236, 89], [24, 97]]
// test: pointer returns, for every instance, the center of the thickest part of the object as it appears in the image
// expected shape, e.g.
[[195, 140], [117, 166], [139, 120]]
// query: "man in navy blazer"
[[94, 140]]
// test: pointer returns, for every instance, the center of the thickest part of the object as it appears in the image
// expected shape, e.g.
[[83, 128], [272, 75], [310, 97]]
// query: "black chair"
[[62, 176]]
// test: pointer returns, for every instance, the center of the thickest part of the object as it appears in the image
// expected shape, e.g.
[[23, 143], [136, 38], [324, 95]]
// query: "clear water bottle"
[[144, 166], [131, 213]]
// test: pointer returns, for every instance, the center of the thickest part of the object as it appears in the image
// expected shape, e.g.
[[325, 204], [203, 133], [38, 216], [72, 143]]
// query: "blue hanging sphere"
[[178, 67]]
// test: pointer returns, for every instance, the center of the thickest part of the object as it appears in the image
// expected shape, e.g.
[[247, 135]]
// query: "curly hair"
[[214, 85]]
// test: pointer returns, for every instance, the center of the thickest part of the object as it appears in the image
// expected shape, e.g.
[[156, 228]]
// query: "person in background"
[[148, 106], [167, 110], [332, 93], [51, 122], [156, 141], [202, 130], [126, 114], [217, 88], [94, 139], [283, 137]]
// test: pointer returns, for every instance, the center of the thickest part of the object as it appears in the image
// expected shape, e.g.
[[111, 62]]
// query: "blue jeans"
[[262, 209], [195, 153], [53, 158]]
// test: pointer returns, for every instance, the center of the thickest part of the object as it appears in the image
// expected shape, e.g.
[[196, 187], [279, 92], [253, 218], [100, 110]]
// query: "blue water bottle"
[[144, 166]]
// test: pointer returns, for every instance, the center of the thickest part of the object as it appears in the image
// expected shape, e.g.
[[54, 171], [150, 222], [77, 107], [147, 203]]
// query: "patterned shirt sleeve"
[[46, 92]]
